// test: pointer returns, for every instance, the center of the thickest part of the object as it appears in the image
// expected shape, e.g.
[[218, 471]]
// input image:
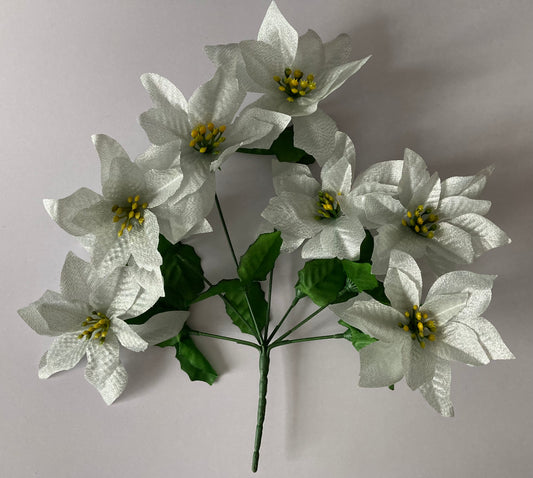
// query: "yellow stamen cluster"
[[294, 85], [97, 327], [422, 220], [207, 138], [419, 326], [134, 211], [328, 207]]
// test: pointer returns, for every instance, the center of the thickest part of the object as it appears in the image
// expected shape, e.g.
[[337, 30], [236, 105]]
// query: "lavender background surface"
[[451, 80]]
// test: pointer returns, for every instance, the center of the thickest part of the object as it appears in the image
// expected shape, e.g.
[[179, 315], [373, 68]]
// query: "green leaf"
[[183, 279], [240, 312], [191, 360], [260, 257], [358, 339], [359, 274], [321, 280], [283, 148]]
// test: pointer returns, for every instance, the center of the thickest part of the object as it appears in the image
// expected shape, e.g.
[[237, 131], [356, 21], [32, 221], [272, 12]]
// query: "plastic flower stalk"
[[418, 339], [293, 73], [87, 319]]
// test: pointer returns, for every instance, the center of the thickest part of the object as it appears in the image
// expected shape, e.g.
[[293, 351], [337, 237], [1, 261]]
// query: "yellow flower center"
[[97, 327], [294, 85], [133, 212], [419, 325], [207, 138], [328, 207], [422, 220]]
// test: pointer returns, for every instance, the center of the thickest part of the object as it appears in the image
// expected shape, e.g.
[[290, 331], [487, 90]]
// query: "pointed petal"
[[127, 336], [489, 338], [336, 176], [375, 209], [467, 186], [161, 327], [485, 235], [342, 238], [65, 353], [338, 50], [403, 283], [315, 134], [293, 178], [278, 32], [336, 76], [108, 149], [381, 177], [75, 278], [458, 342], [445, 307], [437, 391], [426, 194], [124, 179], [452, 243], [163, 92], [263, 62], [414, 173], [161, 184], [381, 364], [216, 101], [63, 211], [104, 370], [310, 55], [373, 318], [455, 206], [418, 364], [166, 124], [478, 287], [143, 242]]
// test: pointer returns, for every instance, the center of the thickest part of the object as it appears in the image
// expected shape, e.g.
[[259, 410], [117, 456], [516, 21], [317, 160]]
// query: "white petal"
[[294, 178], [110, 252], [336, 176], [372, 317], [461, 343], [414, 173], [290, 242], [161, 327], [108, 150], [104, 370], [163, 92], [116, 292], [445, 307], [418, 364], [426, 194], [127, 336], [451, 243], [338, 50], [467, 186], [342, 238], [476, 285], [216, 101], [336, 76], [315, 134], [374, 209], [63, 316], [403, 283], [166, 124], [437, 391], [381, 364], [489, 338], [380, 177], [161, 184], [143, 242], [166, 156], [75, 278], [63, 211], [454, 206], [293, 213], [310, 55], [263, 62], [392, 236], [124, 179], [485, 235], [314, 249], [65, 353], [279, 33]]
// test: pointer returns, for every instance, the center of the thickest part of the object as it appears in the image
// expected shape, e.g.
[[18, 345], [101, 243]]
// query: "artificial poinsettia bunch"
[[362, 235]]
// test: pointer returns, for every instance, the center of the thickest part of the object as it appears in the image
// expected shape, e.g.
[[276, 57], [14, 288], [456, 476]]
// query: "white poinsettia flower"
[[294, 74], [87, 319], [418, 340], [441, 221], [205, 129], [320, 213], [123, 222]]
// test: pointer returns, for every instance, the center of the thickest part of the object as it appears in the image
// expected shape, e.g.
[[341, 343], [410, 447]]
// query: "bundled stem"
[[264, 365]]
